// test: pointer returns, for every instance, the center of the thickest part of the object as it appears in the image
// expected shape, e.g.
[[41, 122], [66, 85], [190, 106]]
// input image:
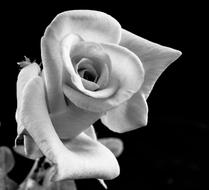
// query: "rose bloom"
[[92, 69]]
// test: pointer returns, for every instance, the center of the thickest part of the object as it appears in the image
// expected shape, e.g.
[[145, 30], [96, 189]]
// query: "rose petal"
[[73, 121], [27, 149], [114, 144], [7, 161], [89, 85], [90, 158], [84, 158], [81, 49], [95, 62], [91, 133], [154, 57], [25, 75], [34, 116], [30, 149], [91, 26], [128, 116], [86, 66], [123, 85], [100, 68], [52, 72]]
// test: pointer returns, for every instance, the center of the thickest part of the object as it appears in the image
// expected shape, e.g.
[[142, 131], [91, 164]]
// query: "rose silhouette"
[[92, 69]]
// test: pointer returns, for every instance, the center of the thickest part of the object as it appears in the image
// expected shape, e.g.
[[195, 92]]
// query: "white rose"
[[92, 69]]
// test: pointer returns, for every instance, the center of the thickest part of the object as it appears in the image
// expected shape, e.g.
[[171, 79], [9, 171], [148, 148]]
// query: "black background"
[[171, 151]]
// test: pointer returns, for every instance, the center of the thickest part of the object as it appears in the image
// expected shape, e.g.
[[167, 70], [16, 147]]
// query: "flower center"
[[86, 75], [91, 63], [86, 70]]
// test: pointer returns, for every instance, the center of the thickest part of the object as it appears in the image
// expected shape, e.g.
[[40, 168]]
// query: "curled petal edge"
[[154, 57], [93, 26], [128, 116]]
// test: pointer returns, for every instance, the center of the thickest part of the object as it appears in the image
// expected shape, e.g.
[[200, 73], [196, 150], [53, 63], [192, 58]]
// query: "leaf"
[[6, 159]]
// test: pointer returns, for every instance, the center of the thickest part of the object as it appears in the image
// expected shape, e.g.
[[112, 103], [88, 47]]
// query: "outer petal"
[[154, 57], [114, 144], [91, 26], [27, 147], [92, 134], [90, 158], [30, 114], [72, 121], [126, 78], [83, 157], [130, 115], [25, 75]]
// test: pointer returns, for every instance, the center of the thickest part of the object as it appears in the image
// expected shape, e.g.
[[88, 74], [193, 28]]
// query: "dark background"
[[171, 151]]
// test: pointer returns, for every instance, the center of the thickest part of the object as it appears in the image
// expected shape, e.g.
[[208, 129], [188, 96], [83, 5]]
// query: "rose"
[[92, 68]]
